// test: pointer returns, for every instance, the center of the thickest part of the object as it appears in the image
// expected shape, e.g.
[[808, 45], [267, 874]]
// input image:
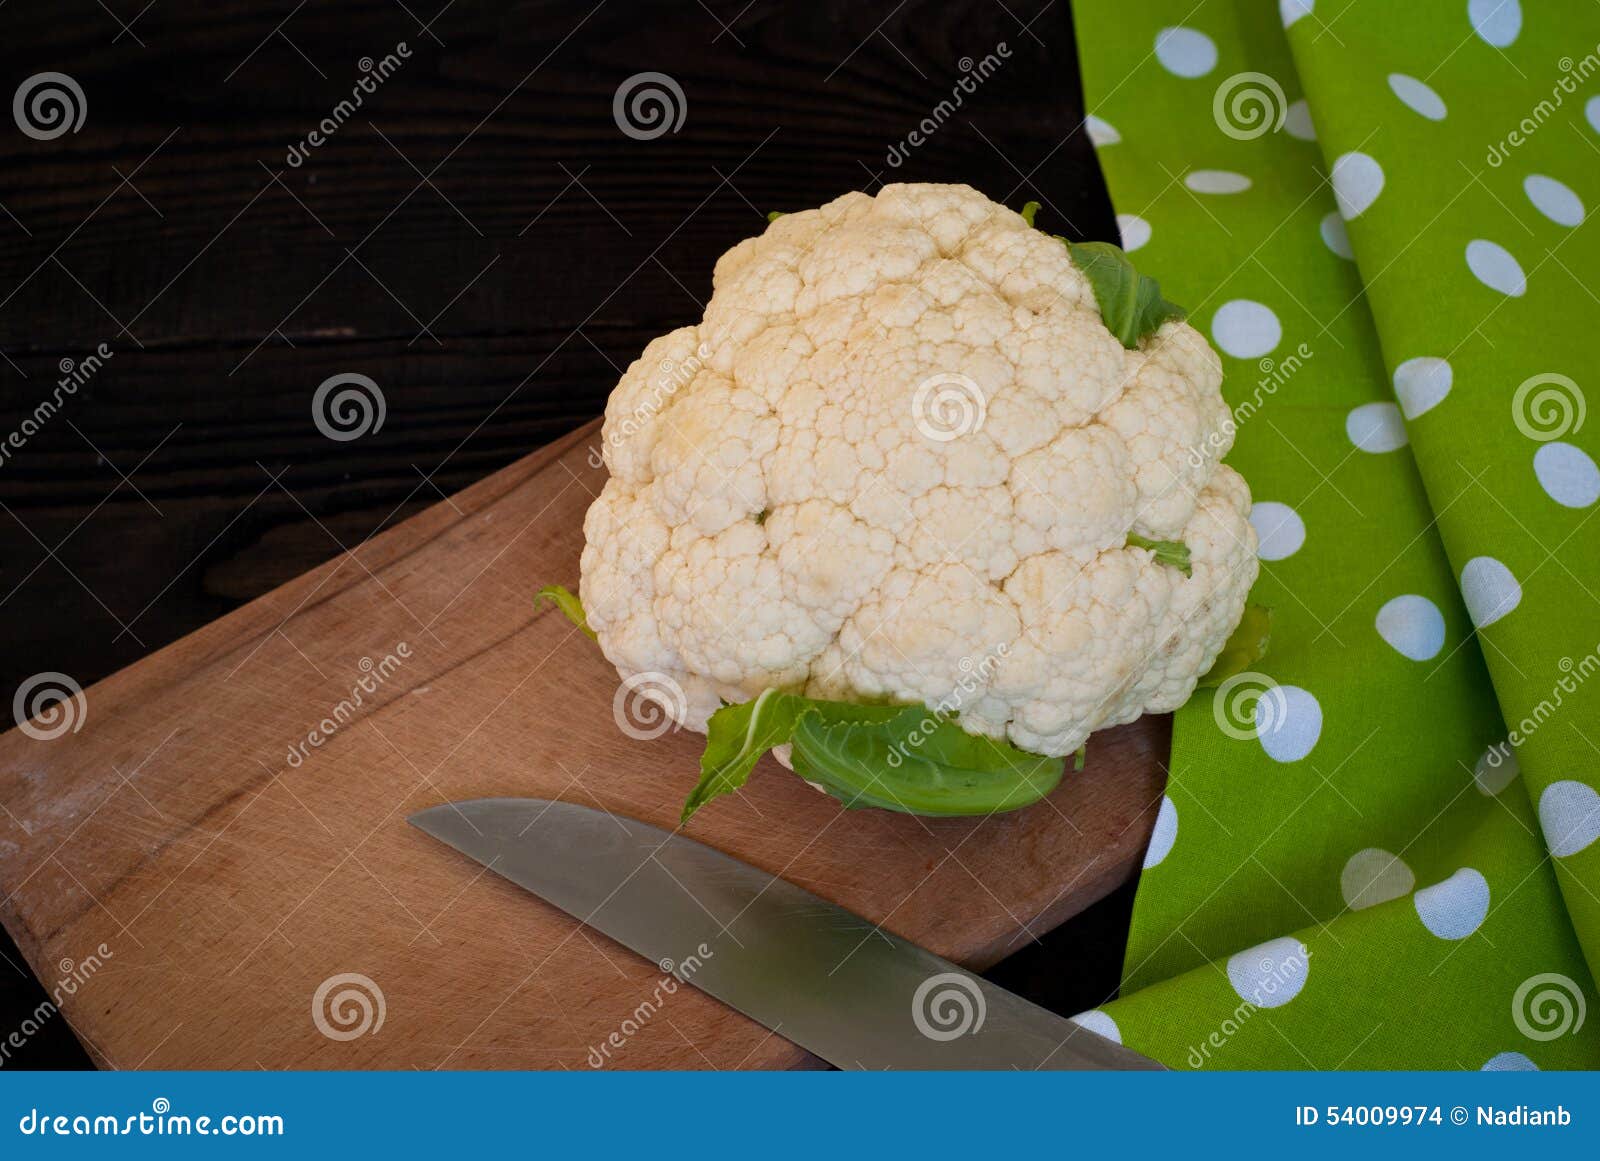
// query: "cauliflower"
[[903, 460]]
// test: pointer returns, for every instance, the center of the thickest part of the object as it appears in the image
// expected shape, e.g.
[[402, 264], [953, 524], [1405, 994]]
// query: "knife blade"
[[828, 980]]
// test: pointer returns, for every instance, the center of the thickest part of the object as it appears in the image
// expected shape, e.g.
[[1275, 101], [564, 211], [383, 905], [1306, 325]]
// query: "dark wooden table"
[[480, 237]]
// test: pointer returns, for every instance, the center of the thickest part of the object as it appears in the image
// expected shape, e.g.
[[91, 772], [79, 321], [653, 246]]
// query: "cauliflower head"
[[903, 460]]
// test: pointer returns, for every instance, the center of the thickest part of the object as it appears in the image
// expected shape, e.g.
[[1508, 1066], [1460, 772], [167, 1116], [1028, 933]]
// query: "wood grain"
[[227, 882], [232, 272]]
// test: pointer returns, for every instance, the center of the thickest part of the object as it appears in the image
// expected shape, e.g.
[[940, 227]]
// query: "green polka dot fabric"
[[1379, 849]]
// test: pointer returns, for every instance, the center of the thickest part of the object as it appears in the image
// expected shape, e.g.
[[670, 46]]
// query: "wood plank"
[[239, 296], [226, 880]]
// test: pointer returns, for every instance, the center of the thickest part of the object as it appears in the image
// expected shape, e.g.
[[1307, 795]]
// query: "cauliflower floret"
[[969, 525], [1030, 269], [1175, 423], [830, 560], [1204, 610], [633, 412], [623, 540], [900, 459], [1089, 465], [1090, 625], [923, 632], [708, 457], [721, 604]]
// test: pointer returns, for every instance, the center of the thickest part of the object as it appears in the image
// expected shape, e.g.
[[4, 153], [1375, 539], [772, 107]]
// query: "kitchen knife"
[[833, 983]]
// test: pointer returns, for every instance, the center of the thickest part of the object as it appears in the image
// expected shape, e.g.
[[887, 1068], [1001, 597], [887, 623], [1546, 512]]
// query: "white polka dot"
[[1455, 908], [1357, 181], [1292, 10], [1496, 21], [1297, 121], [1271, 974], [1374, 876], [1100, 132], [1413, 625], [1567, 474], [1496, 268], [1185, 52], [1099, 1023], [1569, 812], [1496, 769], [1554, 200], [1421, 384], [1288, 723], [1245, 329], [1279, 530], [1164, 834], [1417, 97], [1216, 181], [1135, 231], [1335, 237], [1509, 1062], [1591, 110], [1376, 427], [1489, 590]]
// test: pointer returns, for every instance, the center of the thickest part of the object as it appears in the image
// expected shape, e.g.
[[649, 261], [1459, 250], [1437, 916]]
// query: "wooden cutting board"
[[187, 868]]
